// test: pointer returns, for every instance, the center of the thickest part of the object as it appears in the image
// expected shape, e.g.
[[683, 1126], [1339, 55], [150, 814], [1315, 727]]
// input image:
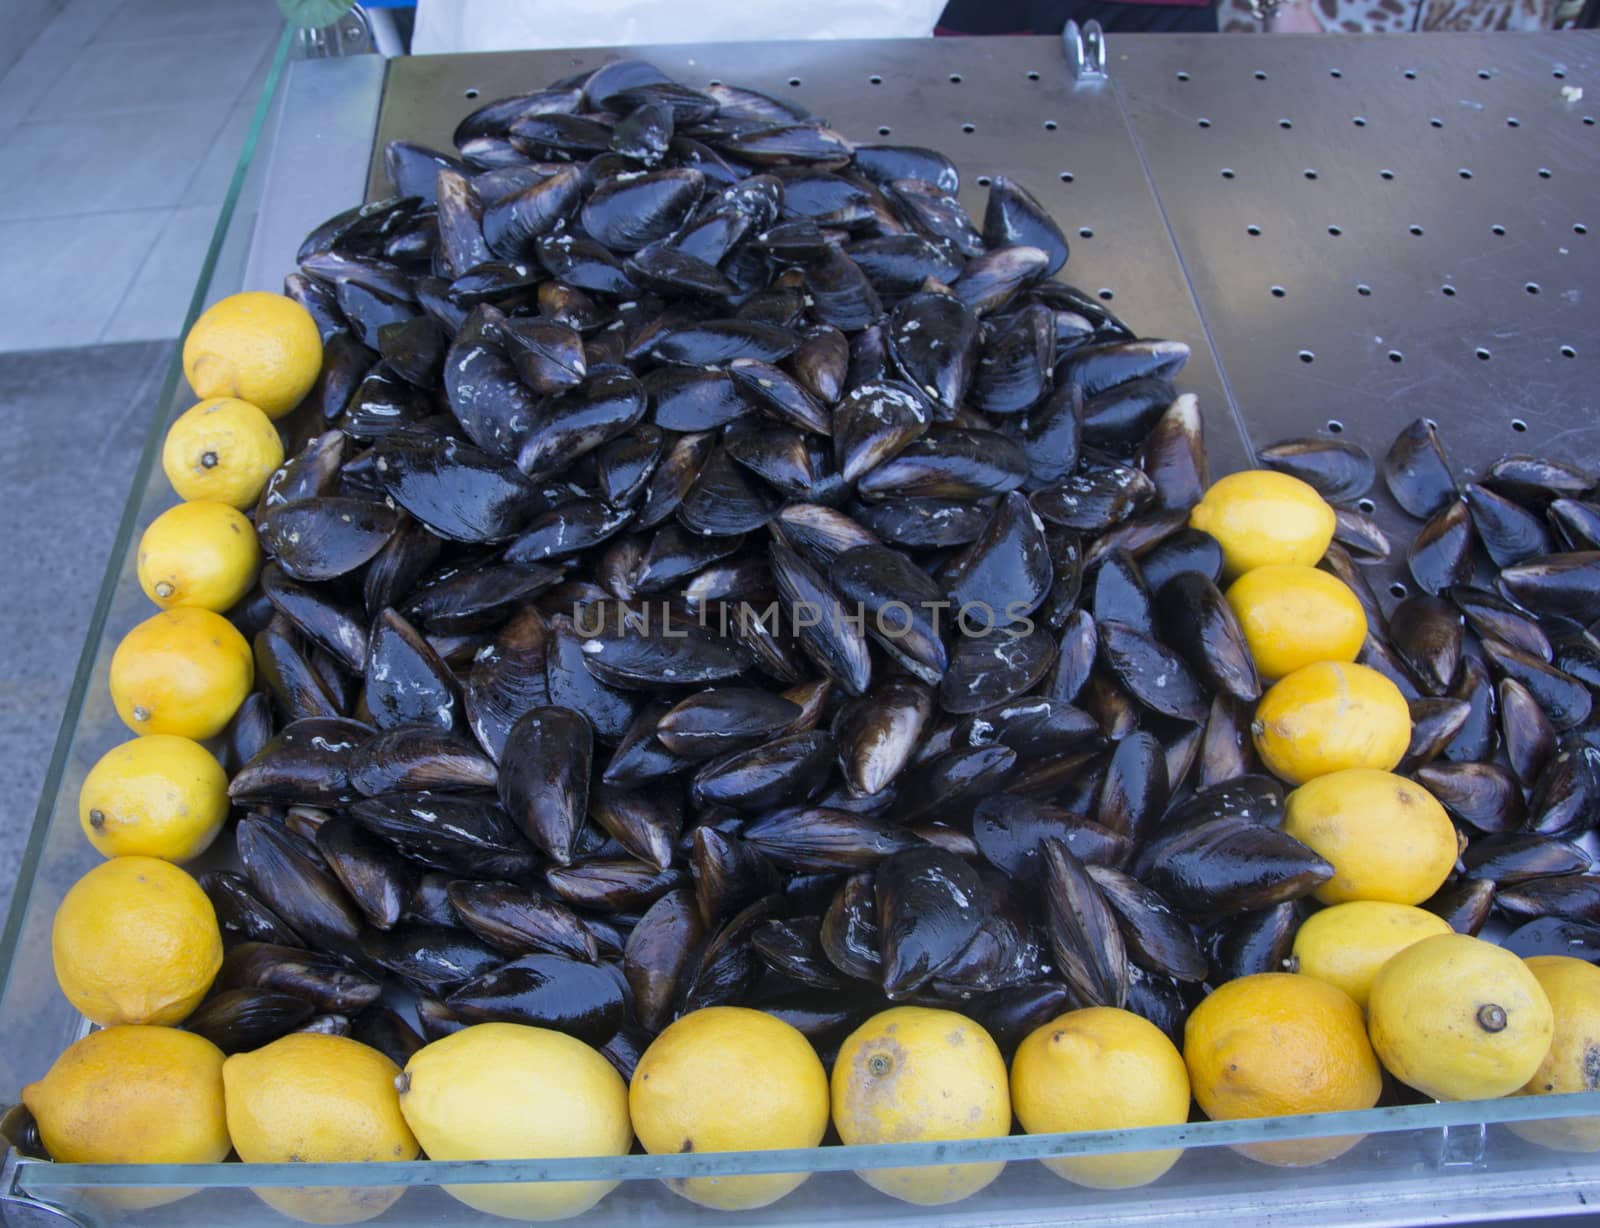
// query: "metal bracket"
[[18, 1210], [1086, 51], [1460, 1146]]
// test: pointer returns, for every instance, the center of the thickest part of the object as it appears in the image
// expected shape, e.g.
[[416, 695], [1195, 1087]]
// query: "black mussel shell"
[[1416, 472], [719, 719], [327, 982], [818, 839], [991, 281], [660, 954], [1339, 470], [379, 881], [1150, 672], [1427, 634], [1232, 865], [1011, 831], [1136, 786], [238, 1020], [544, 778], [828, 633], [406, 682], [850, 934], [1440, 556], [1083, 929], [781, 772], [1012, 216], [874, 422], [729, 967], [794, 949], [877, 733], [646, 824], [326, 537], [1566, 795], [1476, 740], [242, 915], [1554, 936], [520, 921], [1565, 700], [1515, 857], [1434, 722], [613, 885], [454, 489], [1572, 897], [1093, 499], [988, 669], [1156, 937], [1560, 585], [1495, 618], [547, 991], [728, 874], [292, 878], [898, 603], [308, 761], [1255, 942], [1526, 732], [465, 835], [929, 909], [1484, 796], [1197, 621], [1508, 531]]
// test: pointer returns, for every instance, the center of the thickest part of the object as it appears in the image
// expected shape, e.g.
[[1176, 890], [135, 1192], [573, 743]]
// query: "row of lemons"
[[1378, 983]]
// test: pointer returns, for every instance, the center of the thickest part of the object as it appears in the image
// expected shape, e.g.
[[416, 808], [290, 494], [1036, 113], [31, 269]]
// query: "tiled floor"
[[119, 128]]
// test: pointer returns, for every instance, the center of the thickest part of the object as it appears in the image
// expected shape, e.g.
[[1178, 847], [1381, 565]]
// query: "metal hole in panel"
[[874, 80], [1050, 125], [1483, 74], [1260, 76], [983, 181], [1335, 427], [1517, 424], [883, 130], [1278, 292], [471, 93], [1183, 76], [714, 83], [1396, 356], [1464, 173], [1335, 231], [1065, 176], [1513, 122], [1411, 74], [1364, 290], [1366, 505], [1483, 354], [1578, 228], [1033, 76], [1360, 121], [1227, 172], [1397, 589], [1310, 174], [1545, 172], [1430, 424], [1084, 232], [1448, 291], [1568, 352], [1204, 123], [794, 81], [1253, 231], [1307, 356], [1108, 295], [1436, 122], [1497, 229], [969, 127], [1334, 72], [1416, 230], [955, 78], [1532, 287], [1559, 74], [1284, 123], [1589, 120]]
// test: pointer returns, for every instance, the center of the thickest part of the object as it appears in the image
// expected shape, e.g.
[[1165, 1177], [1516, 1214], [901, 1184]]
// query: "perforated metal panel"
[[1381, 228], [995, 106]]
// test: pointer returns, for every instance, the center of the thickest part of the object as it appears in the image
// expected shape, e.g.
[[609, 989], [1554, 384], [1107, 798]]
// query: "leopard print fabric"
[[1398, 16]]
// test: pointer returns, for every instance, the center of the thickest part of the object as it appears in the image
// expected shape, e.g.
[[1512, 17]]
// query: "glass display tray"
[[306, 157]]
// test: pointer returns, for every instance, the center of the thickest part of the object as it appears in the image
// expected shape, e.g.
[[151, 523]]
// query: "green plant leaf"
[[314, 14]]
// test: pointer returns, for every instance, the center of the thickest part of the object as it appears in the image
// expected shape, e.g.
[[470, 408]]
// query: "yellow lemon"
[[262, 347], [182, 671], [222, 450], [1101, 1069], [1346, 945], [503, 1091], [135, 941], [915, 1074], [1329, 716], [313, 1098], [134, 1095], [729, 1079], [1294, 616], [1261, 517], [1275, 1044], [198, 554], [160, 796], [1458, 1018], [1386, 837], [1573, 1063]]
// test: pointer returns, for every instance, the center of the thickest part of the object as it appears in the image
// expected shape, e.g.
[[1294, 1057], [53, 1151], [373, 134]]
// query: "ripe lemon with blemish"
[[1261, 517], [1277, 1043], [314, 1098], [161, 796], [264, 348], [183, 671], [505, 1091], [200, 554], [1346, 945], [132, 1094], [1330, 716], [728, 1078], [222, 450], [1293, 616], [1386, 837], [135, 940], [1459, 1018], [915, 1074], [1573, 1062], [1101, 1069]]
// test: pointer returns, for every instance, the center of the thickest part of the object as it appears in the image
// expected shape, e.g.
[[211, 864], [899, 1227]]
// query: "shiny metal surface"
[[1378, 229], [996, 106]]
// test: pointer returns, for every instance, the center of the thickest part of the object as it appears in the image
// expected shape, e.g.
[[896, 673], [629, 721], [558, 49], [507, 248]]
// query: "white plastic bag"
[[512, 25]]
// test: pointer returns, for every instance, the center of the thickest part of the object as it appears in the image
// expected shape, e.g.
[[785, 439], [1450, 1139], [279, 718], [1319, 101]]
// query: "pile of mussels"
[[711, 569]]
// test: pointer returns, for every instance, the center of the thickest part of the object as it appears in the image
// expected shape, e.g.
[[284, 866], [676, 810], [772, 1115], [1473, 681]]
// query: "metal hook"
[[1086, 50]]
